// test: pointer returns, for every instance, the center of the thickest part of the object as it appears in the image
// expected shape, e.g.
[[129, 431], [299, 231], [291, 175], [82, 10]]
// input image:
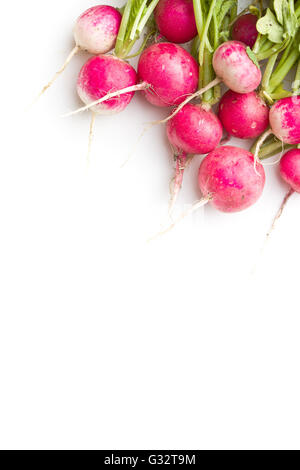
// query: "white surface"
[[107, 341]]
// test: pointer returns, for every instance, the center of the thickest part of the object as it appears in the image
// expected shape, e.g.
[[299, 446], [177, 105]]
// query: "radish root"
[[280, 211], [200, 92], [91, 135], [259, 144], [181, 162], [185, 214], [130, 89], [59, 72]]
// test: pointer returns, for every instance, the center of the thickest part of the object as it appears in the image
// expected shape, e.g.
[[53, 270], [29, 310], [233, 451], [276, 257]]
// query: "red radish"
[[244, 29], [228, 180], [233, 65], [285, 120], [243, 115], [95, 31], [289, 168], [176, 20], [171, 72], [106, 74], [99, 80], [194, 130]]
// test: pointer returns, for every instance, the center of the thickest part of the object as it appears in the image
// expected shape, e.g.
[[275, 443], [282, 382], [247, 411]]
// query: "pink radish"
[[289, 169], [176, 20], [95, 31], [171, 72], [285, 120], [228, 180], [245, 116], [106, 74], [193, 130], [237, 70], [101, 76], [244, 29]]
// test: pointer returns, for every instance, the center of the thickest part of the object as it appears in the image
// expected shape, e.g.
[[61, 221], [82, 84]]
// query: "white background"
[[110, 342]]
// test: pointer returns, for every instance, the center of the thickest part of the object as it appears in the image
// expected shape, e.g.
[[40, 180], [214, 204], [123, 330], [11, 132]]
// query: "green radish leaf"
[[290, 21], [278, 7], [224, 9], [269, 25], [252, 56]]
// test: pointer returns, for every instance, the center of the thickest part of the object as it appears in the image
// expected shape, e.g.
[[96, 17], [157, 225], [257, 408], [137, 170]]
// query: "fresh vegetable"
[[245, 116], [106, 74], [228, 180], [175, 20], [194, 130], [236, 68], [244, 29], [289, 168], [171, 72], [285, 120], [96, 30]]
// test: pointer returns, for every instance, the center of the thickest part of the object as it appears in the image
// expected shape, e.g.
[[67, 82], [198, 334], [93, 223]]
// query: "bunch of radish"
[[250, 53]]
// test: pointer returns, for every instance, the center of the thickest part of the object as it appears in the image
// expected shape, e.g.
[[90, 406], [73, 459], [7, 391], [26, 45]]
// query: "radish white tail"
[[123, 91], [185, 214], [279, 213], [200, 92], [59, 72], [181, 162], [91, 135]]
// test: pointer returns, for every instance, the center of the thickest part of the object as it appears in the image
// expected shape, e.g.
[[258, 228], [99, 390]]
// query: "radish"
[[228, 180], [244, 29], [95, 31], [236, 68], [106, 74], [289, 169], [245, 116], [175, 20], [167, 73], [103, 75], [171, 72], [193, 130], [285, 120]]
